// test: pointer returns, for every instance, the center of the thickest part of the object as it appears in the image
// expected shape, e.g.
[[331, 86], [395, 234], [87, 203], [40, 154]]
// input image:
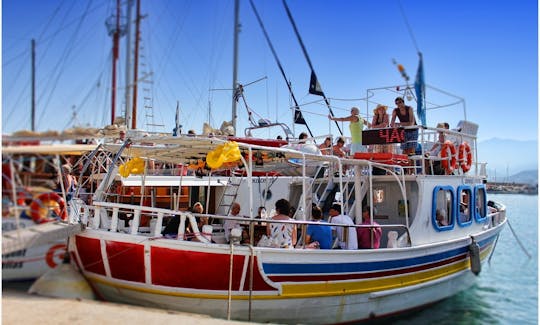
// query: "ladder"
[[229, 194]]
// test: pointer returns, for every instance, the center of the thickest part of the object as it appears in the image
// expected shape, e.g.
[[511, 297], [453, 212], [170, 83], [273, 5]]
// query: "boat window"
[[463, 209], [480, 211], [378, 195], [442, 216]]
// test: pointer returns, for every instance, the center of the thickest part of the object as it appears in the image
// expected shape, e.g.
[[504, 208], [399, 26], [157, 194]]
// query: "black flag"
[[298, 118], [314, 87]]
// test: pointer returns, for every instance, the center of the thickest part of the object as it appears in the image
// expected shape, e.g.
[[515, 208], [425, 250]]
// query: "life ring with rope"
[[40, 206], [465, 156], [449, 163]]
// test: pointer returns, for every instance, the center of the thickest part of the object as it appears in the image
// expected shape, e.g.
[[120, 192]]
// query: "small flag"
[[314, 86], [298, 118], [177, 127], [420, 89]]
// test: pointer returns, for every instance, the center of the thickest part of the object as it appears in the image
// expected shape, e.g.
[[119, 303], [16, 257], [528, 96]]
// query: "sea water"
[[506, 291]]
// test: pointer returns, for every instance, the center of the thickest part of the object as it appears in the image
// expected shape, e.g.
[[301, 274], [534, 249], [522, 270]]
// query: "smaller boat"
[[34, 210]]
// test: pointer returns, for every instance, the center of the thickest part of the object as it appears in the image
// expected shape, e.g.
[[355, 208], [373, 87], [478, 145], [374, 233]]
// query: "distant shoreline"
[[512, 188]]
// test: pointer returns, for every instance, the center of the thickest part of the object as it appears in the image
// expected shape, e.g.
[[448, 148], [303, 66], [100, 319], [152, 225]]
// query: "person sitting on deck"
[[326, 146], [229, 224], [338, 149], [435, 151], [302, 137], [282, 235], [318, 236], [368, 237], [348, 241]]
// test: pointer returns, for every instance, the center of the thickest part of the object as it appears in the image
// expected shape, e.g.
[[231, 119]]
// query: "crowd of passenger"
[[280, 230]]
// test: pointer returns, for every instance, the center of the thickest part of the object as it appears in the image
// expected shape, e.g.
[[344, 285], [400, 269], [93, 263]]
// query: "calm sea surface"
[[507, 288]]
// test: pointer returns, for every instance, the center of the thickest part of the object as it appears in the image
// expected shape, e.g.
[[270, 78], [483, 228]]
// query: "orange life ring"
[[39, 208], [464, 151], [449, 166]]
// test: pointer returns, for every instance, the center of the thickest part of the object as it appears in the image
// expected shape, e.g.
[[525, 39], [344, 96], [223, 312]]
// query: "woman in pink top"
[[368, 237]]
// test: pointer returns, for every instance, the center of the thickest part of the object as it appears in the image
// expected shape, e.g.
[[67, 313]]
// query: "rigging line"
[[85, 99], [13, 83], [308, 59], [15, 57], [63, 58], [409, 29], [277, 60]]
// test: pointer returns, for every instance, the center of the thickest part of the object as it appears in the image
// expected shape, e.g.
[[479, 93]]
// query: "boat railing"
[[149, 221], [422, 161]]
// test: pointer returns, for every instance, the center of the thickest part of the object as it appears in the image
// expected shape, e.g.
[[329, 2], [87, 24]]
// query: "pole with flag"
[[298, 117], [420, 90], [314, 86], [177, 127]]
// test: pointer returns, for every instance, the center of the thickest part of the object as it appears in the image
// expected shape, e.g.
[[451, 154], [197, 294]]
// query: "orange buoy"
[[40, 206], [465, 156], [448, 151]]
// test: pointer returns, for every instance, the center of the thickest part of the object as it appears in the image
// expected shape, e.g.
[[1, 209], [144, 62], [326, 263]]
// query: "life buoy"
[[448, 164], [465, 156], [39, 208]]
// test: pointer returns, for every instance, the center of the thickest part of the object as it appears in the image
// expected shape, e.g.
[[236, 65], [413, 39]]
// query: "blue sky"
[[483, 51]]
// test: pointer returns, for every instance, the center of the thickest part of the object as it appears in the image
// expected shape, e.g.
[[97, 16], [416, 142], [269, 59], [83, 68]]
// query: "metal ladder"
[[230, 193]]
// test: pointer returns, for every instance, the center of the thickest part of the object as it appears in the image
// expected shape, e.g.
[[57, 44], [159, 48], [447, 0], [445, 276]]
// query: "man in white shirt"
[[230, 224], [351, 242]]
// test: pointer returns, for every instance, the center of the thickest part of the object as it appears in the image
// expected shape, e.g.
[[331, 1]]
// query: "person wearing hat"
[[356, 126], [380, 120], [345, 242]]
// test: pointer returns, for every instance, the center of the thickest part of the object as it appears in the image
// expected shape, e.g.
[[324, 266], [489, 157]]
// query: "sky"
[[484, 53]]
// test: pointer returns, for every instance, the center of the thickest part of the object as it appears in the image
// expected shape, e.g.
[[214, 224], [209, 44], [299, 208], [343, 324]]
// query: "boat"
[[34, 211], [125, 258]]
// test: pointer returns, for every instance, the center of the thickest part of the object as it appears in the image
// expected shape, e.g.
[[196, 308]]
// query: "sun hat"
[[380, 106]]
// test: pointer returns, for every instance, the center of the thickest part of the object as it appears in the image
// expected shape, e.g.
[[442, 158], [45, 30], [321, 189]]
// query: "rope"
[[309, 61], [409, 29], [517, 239], [279, 65]]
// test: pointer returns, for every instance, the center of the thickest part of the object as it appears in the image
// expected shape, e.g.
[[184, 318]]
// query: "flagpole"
[[297, 115], [321, 93]]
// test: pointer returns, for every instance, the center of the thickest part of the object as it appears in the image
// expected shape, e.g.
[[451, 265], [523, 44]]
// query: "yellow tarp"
[[133, 167], [225, 153]]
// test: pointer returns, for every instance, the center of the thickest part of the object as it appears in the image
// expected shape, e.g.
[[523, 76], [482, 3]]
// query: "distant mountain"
[[524, 177], [506, 157]]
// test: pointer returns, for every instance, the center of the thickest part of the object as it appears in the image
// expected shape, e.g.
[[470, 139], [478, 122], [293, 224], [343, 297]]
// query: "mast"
[[33, 104], [128, 63], [235, 60], [136, 64], [113, 27]]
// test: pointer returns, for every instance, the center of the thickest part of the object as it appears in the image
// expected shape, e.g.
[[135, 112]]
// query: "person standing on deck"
[[405, 114], [356, 126], [380, 120]]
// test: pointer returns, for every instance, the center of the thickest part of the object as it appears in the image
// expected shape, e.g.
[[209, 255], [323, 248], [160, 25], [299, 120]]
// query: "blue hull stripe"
[[336, 268]]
